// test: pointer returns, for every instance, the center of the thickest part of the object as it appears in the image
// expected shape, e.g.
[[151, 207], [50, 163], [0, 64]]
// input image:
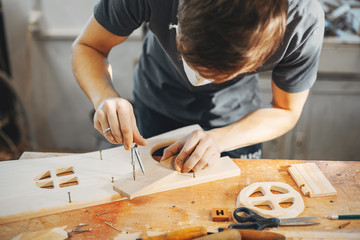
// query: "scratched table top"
[[191, 206]]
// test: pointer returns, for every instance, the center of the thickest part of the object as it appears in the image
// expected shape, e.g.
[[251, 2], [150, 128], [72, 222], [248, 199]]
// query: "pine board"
[[311, 180], [23, 197], [163, 178]]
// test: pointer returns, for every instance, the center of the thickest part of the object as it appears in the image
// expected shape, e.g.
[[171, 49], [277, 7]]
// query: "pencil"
[[335, 217]]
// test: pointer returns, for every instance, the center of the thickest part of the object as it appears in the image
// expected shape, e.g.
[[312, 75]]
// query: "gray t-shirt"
[[160, 81]]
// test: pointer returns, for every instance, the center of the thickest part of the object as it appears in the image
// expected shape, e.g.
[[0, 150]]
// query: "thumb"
[[171, 150]]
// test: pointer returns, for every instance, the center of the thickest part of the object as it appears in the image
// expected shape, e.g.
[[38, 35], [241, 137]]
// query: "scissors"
[[135, 154], [254, 221]]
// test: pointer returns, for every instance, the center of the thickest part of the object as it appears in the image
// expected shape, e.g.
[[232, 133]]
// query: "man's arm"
[[263, 124], [93, 73], [89, 59], [203, 147]]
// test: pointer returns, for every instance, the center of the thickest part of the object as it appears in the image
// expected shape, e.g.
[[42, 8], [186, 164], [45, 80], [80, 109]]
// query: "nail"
[[102, 213], [344, 225], [110, 225]]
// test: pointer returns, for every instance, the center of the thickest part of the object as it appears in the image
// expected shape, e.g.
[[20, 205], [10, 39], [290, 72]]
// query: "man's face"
[[219, 79], [201, 72]]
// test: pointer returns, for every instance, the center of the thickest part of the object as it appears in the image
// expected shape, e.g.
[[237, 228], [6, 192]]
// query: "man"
[[199, 66]]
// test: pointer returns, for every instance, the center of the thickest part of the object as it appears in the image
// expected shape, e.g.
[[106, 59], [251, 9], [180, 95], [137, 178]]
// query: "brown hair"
[[220, 37]]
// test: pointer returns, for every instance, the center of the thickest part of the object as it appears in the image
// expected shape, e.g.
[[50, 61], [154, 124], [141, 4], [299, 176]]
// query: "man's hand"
[[118, 115], [195, 152]]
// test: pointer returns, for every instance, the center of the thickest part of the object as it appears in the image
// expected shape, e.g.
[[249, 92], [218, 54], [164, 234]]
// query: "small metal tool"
[[110, 225], [78, 230], [136, 154], [78, 227], [133, 162]]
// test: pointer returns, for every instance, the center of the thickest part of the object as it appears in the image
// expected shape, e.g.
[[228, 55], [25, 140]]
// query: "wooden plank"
[[156, 175], [32, 188], [311, 180], [163, 177], [23, 196]]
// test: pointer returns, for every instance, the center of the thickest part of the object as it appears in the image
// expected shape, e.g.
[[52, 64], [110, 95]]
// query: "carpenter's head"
[[223, 38]]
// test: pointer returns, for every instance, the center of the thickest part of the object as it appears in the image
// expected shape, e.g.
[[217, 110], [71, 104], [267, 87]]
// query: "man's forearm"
[[259, 126]]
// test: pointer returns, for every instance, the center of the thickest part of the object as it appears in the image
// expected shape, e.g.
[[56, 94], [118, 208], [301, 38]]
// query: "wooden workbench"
[[191, 206]]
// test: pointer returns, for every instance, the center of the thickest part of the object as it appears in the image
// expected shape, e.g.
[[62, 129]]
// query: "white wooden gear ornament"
[[285, 194]]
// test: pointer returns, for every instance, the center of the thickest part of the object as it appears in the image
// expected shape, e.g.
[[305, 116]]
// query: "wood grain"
[[285, 193], [33, 188], [154, 176], [162, 177], [38, 187], [311, 180], [158, 213]]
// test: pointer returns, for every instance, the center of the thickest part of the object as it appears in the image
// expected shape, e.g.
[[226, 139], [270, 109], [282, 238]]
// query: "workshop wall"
[[40, 34], [329, 126]]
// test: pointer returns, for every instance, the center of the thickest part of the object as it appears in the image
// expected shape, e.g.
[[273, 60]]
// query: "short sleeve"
[[297, 71], [122, 17]]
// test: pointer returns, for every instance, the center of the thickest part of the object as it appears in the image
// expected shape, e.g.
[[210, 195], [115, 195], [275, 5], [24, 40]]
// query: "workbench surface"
[[191, 206]]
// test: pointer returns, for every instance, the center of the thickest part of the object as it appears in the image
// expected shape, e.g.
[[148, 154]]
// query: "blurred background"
[[42, 108]]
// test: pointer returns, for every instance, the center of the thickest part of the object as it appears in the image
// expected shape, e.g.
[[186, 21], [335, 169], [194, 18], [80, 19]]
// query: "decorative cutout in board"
[[44, 179]]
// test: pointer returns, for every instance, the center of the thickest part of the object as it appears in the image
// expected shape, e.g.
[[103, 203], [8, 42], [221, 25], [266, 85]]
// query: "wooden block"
[[220, 215], [162, 177], [311, 180], [131, 188]]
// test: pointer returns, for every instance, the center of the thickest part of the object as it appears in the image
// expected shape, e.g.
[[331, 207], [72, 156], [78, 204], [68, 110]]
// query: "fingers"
[[207, 160], [184, 154], [101, 123], [125, 126], [117, 114], [172, 150], [199, 151], [113, 122], [137, 136], [211, 161], [197, 158]]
